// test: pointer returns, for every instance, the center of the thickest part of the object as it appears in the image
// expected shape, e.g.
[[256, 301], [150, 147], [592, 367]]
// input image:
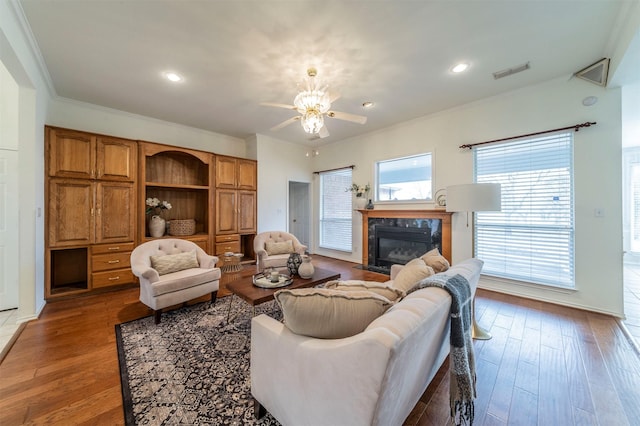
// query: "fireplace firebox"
[[397, 236]]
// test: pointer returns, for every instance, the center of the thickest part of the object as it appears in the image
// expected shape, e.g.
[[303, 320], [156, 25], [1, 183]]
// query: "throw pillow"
[[329, 314], [386, 290], [411, 273], [438, 262], [165, 264], [282, 247]]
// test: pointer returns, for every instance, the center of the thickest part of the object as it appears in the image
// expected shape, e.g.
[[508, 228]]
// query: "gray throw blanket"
[[462, 368]]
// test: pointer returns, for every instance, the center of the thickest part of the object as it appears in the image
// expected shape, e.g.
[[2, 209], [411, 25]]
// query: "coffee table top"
[[243, 287]]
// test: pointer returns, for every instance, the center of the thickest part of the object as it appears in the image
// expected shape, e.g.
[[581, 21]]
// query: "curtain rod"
[[575, 127], [333, 170]]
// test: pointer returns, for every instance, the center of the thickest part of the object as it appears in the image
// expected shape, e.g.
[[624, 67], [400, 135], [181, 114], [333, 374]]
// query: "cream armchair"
[[173, 271], [272, 248]]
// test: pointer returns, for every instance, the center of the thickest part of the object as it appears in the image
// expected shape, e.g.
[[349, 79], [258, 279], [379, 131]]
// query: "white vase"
[[306, 269], [157, 226], [360, 203]]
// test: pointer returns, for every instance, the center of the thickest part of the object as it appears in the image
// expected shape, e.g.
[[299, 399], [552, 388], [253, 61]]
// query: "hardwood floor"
[[546, 364]]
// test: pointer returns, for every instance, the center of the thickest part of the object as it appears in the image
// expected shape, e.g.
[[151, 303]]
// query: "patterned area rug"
[[192, 368]]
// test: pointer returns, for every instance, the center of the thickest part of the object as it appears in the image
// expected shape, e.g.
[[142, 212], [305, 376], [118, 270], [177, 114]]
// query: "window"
[[631, 199], [335, 210], [404, 179], [532, 238]]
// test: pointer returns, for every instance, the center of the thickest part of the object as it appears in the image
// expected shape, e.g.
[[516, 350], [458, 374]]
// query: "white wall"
[[16, 55], [555, 104], [278, 163], [93, 118]]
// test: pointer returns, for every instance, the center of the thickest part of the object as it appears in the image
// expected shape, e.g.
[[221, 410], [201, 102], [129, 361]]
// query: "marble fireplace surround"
[[406, 218]]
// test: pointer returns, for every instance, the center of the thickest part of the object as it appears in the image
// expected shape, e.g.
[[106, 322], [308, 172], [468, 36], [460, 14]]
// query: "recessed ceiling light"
[[367, 104], [458, 68], [589, 100], [172, 76]]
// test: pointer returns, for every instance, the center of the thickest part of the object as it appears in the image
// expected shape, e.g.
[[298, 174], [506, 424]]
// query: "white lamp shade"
[[474, 197]]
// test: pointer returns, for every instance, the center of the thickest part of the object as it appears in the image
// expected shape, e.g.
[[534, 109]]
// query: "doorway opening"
[[299, 213]]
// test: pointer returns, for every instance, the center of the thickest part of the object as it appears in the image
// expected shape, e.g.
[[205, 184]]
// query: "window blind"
[[335, 210], [532, 238]]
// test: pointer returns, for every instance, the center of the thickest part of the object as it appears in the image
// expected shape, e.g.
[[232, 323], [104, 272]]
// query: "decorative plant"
[[155, 206], [360, 191]]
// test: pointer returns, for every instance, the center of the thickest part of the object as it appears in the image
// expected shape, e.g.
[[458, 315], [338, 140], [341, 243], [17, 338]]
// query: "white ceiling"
[[235, 54]]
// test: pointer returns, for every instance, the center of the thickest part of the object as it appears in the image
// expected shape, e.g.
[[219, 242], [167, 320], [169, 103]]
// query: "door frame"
[[293, 199]]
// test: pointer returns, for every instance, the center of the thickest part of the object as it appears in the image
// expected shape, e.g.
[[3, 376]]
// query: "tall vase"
[[157, 226], [360, 203], [306, 270]]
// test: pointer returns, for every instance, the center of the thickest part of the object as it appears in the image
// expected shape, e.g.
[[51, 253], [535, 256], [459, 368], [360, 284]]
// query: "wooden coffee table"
[[243, 287]]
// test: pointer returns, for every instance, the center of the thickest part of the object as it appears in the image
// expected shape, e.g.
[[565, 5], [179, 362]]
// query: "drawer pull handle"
[[113, 248], [114, 278], [113, 261]]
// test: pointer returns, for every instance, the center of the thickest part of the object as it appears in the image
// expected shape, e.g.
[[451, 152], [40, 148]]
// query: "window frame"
[[488, 222], [347, 219], [376, 180]]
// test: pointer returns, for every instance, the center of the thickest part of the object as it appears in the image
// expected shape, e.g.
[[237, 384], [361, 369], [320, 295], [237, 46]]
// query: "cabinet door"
[[227, 215], [116, 159], [71, 209], [247, 212], [226, 172], [247, 175], [115, 212], [71, 154]]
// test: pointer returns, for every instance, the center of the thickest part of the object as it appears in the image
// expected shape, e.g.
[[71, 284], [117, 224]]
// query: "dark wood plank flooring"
[[546, 364]]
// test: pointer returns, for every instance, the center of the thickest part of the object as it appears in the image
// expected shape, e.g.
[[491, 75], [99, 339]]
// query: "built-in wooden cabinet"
[[80, 155], [90, 199], [96, 188], [184, 178], [236, 184]]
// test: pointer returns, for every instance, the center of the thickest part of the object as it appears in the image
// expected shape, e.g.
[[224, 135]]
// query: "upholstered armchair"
[[173, 271], [273, 248]]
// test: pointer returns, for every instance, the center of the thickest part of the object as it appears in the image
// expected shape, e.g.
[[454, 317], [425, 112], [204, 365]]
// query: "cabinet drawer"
[[104, 262], [233, 246], [227, 238], [109, 278], [111, 248]]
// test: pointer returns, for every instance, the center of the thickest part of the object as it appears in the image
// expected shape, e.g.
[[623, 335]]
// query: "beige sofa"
[[182, 271], [375, 377], [270, 250]]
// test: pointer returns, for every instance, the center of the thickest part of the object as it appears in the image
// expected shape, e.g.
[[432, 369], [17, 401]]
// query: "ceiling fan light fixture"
[[312, 121]]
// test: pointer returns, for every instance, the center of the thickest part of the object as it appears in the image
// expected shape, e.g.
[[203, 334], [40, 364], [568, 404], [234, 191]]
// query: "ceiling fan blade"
[[285, 123], [347, 117], [323, 133], [272, 104]]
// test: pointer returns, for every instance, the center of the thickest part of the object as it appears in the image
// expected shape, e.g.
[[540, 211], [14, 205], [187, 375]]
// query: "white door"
[[299, 211], [8, 229]]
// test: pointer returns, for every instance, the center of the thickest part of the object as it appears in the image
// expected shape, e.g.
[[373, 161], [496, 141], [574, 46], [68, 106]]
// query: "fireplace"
[[394, 245], [397, 236]]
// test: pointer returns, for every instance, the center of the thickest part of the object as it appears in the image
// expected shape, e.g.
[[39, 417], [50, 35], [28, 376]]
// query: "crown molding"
[[32, 44]]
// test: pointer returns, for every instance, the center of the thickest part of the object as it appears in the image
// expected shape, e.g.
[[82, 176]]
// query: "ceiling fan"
[[313, 102]]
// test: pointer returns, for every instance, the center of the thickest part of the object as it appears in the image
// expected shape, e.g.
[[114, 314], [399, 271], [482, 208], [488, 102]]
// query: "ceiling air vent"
[[510, 71], [595, 73]]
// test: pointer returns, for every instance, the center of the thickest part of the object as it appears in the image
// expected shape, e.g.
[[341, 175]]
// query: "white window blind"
[[532, 238], [335, 210]]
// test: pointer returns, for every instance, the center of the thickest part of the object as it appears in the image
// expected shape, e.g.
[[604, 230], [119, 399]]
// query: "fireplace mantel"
[[443, 215]]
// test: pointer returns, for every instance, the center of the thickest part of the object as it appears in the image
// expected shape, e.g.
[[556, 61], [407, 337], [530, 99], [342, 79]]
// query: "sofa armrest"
[[294, 377], [207, 262], [143, 271]]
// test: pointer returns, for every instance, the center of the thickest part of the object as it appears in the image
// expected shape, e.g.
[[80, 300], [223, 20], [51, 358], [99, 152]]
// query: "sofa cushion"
[[434, 259], [186, 278], [386, 289], [168, 263], [281, 247], [414, 271], [329, 314]]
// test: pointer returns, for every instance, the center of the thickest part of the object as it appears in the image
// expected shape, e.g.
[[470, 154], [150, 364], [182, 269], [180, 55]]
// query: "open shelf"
[[69, 270]]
